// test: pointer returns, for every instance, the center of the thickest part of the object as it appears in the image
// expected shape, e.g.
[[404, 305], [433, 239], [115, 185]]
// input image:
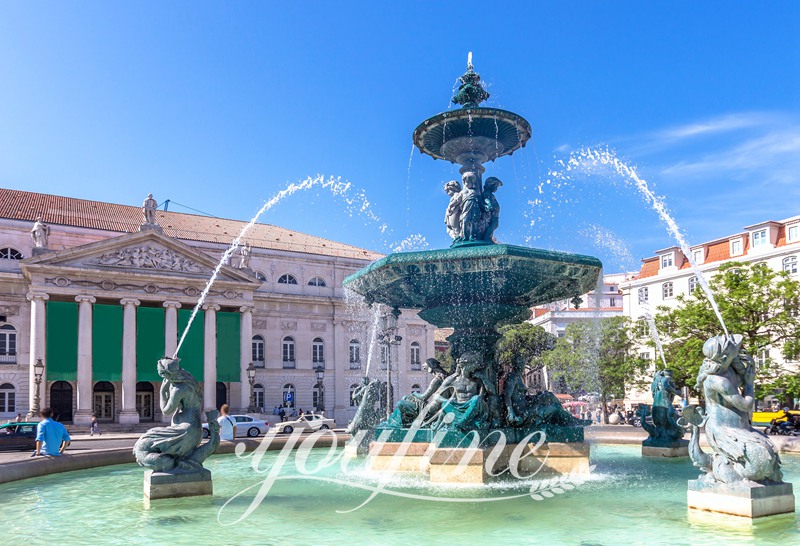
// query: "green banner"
[[61, 341], [107, 343], [149, 342], [191, 351], [228, 347]]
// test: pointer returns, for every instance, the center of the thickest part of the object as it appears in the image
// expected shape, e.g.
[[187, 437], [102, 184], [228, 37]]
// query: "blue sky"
[[220, 105]]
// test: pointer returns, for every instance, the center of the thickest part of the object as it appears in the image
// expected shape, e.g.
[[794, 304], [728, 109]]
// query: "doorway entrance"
[[61, 401], [144, 400], [104, 401]]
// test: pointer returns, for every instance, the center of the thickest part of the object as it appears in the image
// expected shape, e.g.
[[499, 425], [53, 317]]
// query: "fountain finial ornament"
[[470, 93]]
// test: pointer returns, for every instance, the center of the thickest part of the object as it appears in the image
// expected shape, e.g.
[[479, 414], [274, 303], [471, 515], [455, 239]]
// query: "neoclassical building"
[[107, 294]]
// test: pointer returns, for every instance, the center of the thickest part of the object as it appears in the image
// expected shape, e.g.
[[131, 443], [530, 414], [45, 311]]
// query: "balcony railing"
[[8, 359], [289, 364], [355, 365], [259, 363]]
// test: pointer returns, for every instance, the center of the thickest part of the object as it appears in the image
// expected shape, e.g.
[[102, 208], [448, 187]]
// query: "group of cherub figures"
[[727, 383], [473, 213], [470, 398]]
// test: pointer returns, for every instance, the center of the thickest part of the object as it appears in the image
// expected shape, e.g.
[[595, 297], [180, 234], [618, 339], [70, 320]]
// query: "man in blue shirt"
[[51, 436]]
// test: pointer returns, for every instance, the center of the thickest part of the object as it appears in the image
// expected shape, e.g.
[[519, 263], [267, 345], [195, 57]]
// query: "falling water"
[[587, 158], [354, 200], [375, 311]]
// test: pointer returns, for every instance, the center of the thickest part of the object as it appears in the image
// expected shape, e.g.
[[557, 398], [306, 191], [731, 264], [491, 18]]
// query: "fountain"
[[473, 287]]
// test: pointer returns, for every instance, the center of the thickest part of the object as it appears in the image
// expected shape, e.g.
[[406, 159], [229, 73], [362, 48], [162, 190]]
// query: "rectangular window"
[[612, 302], [666, 261], [759, 237], [736, 247], [697, 256], [644, 356], [644, 295], [793, 233]]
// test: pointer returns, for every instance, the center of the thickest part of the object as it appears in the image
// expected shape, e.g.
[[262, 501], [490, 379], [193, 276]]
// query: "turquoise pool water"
[[628, 500]]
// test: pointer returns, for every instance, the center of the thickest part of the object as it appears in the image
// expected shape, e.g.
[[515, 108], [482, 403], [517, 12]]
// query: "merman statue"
[[176, 448], [415, 407], [665, 430]]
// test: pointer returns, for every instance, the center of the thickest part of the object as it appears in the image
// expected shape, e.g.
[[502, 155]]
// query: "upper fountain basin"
[[472, 135], [475, 285]]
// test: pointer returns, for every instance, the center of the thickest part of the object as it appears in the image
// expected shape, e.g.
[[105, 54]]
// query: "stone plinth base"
[[678, 449], [128, 417], [446, 464], [82, 417], [163, 485], [745, 500], [384, 457]]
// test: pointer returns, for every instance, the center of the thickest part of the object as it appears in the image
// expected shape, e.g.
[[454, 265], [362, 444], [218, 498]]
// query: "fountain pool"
[[627, 500]]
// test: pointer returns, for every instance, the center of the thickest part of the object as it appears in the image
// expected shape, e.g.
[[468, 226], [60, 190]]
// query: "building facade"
[[109, 293], [669, 273]]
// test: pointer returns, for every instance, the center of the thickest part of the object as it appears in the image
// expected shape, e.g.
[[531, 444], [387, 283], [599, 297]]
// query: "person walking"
[[227, 427], [282, 414], [52, 437], [93, 426]]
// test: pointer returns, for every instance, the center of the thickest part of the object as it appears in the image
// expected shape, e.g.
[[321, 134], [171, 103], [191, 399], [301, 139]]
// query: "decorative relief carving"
[[415, 330], [318, 326], [149, 288], [9, 310], [148, 257], [288, 325], [259, 323]]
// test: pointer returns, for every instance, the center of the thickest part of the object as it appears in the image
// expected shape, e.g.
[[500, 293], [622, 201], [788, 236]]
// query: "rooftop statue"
[[39, 233], [665, 430], [739, 453], [176, 448], [149, 210]]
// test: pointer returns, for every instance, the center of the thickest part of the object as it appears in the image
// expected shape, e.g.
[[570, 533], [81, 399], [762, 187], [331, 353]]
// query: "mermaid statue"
[[176, 448], [740, 453]]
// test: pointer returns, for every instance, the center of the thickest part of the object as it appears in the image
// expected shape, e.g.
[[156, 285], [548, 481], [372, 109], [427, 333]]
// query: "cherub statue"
[[471, 207], [491, 208]]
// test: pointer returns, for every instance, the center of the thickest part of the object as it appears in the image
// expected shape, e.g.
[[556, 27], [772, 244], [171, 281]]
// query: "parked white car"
[[245, 426], [309, 421]]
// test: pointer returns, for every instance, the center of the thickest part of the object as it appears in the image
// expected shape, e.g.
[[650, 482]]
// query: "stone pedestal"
[[413, 457], [38, 251], [164, 485], [677, 449], [743, 499]]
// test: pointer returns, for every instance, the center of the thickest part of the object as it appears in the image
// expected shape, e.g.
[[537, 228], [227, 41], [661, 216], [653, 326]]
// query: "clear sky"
[[218, 106]]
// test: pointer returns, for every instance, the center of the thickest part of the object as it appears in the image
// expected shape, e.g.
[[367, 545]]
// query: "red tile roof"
[[649, 268], [68, 211]]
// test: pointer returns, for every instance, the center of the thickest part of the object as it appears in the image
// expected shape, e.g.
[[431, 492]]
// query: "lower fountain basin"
[[475, 286]]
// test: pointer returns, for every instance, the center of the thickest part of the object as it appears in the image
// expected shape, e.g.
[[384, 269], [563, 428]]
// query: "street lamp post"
[[319, 371], [251, 378], [388, 339], [38, 373]]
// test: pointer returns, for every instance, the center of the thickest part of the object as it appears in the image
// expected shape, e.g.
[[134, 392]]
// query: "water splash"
[[355, 200], [587, 159], [607, 240], [415, 241]]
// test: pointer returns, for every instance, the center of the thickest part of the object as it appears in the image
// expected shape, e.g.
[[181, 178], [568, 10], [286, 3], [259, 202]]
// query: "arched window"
[[287, 279], [416, 389], [288, 352], [355, 354], [317, 281], [8, 398], [10, 254], [261, 277], [416, 354], [790, 264], [288, 395], [258, 396], [666, 290], [353, 389], [318, 350], [258, 351], [692, 284], [644, 295], [318, 396], [8, 344]]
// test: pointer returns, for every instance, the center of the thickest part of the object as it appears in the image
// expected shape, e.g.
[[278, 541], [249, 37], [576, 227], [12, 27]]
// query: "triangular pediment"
[[144, 252]]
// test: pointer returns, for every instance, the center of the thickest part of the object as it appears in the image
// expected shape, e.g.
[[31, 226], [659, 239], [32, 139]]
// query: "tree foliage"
[[523, 340], [755, 301], [597, 356]]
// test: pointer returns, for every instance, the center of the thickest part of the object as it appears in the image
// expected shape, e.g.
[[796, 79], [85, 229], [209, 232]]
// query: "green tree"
[[755, 301], [597, 356], [523, 340]]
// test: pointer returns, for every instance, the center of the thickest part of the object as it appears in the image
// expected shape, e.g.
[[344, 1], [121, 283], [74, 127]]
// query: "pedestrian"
[[302, 412], [19, 418], [282, 413], [227, 428], [93, 426], [51, 436]]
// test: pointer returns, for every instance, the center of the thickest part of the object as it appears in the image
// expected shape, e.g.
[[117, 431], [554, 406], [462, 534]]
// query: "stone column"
[[246, 350], [210, 357], [171, 327], [84, 414], [340, 365], [129, 415], [37, 350]]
